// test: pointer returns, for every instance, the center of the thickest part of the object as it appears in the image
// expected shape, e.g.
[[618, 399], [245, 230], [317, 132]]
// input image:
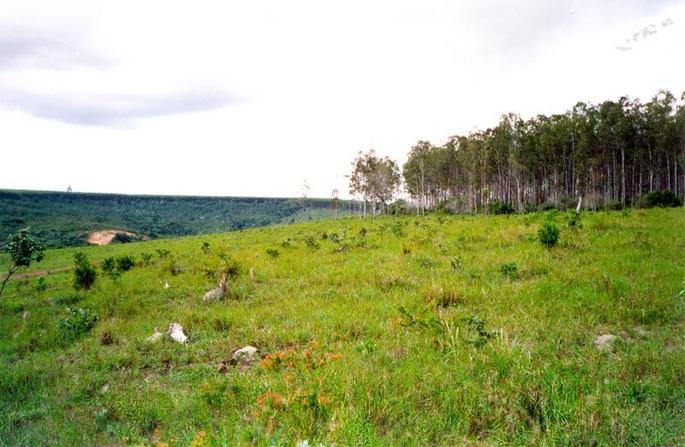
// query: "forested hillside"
[[64, 219], [610, 153]]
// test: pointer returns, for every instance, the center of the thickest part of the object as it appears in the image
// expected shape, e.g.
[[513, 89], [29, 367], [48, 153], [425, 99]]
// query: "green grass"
[[394, 331]]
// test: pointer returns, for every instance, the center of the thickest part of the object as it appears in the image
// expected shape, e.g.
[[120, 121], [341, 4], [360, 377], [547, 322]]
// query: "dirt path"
[[39, 273]]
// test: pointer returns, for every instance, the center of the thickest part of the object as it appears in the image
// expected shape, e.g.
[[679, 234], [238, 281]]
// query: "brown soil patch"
[[39, 273], [104, 237]]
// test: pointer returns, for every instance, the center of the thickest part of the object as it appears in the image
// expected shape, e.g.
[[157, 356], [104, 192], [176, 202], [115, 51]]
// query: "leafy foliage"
[[510, 270], [77, 322], [84, 272], [125, 262], [23, 249], [663, 199], [374, 178], [607, 153], [548, 234], [499, 207]]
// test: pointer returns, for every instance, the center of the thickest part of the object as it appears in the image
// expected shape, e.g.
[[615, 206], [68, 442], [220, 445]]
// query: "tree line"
[[610, 154]]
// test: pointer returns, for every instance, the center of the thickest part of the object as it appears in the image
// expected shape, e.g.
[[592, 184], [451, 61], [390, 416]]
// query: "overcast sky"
[[250, 98]]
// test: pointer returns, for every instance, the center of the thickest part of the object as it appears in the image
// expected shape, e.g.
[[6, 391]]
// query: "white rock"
[[605, 342], [104, 388], [176, 333], [166, 285], [216, 293], [155, 337], [245, 353]]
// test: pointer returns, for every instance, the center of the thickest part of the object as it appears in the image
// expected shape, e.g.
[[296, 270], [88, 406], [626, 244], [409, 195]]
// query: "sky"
[[255, 98]]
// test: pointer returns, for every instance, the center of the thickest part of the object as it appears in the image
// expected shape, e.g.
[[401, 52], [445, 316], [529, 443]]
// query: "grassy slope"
[[408, 372]]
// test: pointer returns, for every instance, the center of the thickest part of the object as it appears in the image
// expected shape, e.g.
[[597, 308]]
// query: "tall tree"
[[374, 179]]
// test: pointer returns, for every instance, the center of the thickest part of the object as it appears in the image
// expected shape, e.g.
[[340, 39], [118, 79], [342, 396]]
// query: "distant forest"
[[64, 218], [611, 154]]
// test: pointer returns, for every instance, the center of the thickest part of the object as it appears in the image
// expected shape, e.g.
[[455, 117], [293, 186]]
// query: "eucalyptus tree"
[[375, 179], [609, 153]]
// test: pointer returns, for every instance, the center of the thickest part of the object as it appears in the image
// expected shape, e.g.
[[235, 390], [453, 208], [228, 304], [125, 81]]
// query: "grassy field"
[[444, 330]]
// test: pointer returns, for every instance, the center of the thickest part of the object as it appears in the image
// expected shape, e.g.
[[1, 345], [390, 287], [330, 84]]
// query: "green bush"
[[457, 262], [41, 285], [273, 252], [510, 270], [77, 322], [84, 272], [573, 219], [125, 263], [310, 242], [163, 252], [109, 267], [124, 238], [548, 234], [663, 199], [498, 207], [145, 259], [613, 205]]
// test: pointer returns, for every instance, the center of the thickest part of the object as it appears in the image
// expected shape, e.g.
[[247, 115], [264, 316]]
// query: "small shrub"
[[663, 199], [310, 241], [510, 270], [573, 219], [273, 252], [41, 285], [124, 238], [77, 322], [498, 207], [230, 266], [426, 262], [441, 297], [172, 266], [397, 229], [444, 208], [205, 247], [285, 243], [457, 262], [641, 240], [548, 234], [145, 259], [614, 205], [106, 338], [529, 208], [405, 249], [476, 326], [84, 272], [125, 263], [390, 282], [163, 253], [109, 267]]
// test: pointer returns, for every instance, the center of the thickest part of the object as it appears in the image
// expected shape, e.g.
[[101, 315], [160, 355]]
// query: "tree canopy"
[[613, 152]]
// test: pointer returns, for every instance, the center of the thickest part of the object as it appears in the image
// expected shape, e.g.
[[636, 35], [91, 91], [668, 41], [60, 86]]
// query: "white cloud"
[[249, 98]]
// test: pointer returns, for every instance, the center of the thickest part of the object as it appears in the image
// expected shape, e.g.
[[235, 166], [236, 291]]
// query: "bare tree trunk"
[[623, 176]]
